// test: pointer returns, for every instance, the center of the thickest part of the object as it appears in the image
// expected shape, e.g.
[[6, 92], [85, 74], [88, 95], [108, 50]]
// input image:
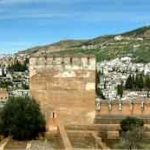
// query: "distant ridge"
[[140, 32], [135, 43]]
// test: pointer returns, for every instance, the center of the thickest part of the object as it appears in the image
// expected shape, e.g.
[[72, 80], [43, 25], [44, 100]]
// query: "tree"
[[18, 66], [3, 72], [147, 84], [134, 86], [132, 132], [100, 94], [120, 90], [135, 82], [21, 118], [140, 81], [97, 82], [129, 82]]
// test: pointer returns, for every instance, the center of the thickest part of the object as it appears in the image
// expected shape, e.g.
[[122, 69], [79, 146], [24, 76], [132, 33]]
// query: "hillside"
[[134, 43], [55, 47]]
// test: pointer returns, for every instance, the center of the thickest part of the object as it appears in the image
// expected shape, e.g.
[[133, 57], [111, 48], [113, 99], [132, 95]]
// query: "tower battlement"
[[47, 64], [67, 60]]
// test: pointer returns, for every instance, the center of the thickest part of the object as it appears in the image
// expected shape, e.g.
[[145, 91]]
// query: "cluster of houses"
[[118, 40], [116, 71], [13, 84]]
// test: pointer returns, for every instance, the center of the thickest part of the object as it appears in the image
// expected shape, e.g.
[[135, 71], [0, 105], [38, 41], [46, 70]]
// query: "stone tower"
[[65, 85]]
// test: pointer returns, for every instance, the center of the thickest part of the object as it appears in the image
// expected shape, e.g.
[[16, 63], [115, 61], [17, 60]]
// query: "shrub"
[[21, 118], [132, 132]]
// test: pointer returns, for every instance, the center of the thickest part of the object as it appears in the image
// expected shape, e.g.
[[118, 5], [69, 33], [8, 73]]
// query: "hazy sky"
[[27, 23]]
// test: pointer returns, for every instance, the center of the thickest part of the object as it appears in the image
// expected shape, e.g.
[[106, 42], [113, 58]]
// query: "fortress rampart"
[[124, 108], [114, 111], [65, 85]]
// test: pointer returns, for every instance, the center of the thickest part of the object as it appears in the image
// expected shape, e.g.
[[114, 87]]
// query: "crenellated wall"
[[39, 64], [65, 85], [124, 108]]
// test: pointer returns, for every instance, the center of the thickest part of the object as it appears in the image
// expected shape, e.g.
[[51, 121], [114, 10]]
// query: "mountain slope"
[[143, 32], [55, 47], [135, 43]]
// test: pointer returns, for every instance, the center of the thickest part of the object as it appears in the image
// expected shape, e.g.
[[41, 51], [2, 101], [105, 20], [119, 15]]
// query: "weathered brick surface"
[[65, 85]]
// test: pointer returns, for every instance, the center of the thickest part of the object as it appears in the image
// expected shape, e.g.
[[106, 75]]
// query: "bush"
[[132, 132], [21, 118], [131, 122]]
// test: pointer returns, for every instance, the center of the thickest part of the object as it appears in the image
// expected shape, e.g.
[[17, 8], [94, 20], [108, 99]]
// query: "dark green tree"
[[147, 85], [140, 81], [104, 84], [120, 90], [132, 132], [21, 118], [134, 86], [18, 66], [3, 72], [97, 82], [100, 93], [129, 82]]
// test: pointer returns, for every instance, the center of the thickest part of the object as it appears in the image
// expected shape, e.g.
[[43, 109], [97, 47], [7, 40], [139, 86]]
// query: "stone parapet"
[[40, 64], [124, 108]]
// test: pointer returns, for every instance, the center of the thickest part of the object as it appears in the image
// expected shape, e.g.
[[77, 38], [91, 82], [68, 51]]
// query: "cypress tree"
[[120, 90], [140, 82], [97, 82], [129, 82], [147, 84], [134, 82], [100, 93]]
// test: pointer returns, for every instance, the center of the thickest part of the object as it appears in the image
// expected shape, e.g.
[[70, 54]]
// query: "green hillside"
[[134, 43]]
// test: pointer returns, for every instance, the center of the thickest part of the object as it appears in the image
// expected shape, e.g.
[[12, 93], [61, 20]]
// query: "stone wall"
[[124, 108], [65, 85]]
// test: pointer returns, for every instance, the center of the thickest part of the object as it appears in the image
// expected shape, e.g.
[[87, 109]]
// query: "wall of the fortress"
[[125, 108], [65, 85]]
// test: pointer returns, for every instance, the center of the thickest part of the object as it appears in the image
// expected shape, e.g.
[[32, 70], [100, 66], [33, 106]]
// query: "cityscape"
[[74, 75]]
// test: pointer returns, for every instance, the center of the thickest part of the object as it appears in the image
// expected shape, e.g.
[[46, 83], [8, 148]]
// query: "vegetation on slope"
[[134, 43]]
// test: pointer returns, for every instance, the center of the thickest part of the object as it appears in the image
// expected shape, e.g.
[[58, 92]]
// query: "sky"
[[29, 23]]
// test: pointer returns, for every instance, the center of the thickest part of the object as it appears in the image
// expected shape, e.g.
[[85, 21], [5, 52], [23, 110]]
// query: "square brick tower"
[[65, 85]]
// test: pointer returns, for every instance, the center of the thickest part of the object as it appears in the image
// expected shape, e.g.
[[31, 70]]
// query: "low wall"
[[124, 108], [105, 131]]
